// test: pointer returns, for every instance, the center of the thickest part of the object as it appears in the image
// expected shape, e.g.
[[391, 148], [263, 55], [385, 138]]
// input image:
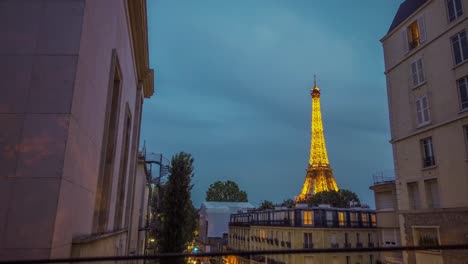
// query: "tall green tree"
[[342, 198], [178, 221], [227, 191]]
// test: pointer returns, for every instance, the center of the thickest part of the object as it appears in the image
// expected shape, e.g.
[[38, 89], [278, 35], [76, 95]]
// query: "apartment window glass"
[[414, 34], [329, 217], [308, 240], [417, 73], [427, 152], [342, 218], [365, 219], [432, 193], [454, 9], [463, 90], [422, 109], [460, 47], [413, 195], [307, 217], [354, 218]]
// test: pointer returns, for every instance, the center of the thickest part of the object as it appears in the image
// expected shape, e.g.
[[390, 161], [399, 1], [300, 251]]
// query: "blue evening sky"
[[232, 81]]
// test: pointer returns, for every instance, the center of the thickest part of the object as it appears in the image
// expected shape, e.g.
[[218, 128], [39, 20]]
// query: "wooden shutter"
[[404, 41], [422, 29]]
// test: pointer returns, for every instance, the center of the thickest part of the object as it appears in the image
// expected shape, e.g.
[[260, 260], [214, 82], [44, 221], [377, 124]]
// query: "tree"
[[342, 198], [267, 205], [225, 192], [289, 203], [178, 221]]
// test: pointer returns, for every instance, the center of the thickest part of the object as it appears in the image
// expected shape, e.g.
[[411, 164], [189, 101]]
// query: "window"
[[417, 73], [414, 34], [122, 182], [341, 218], [427, 152], [460, 47], [329, 217], [348, 260], [307, 217], [373, 218], [389, 237], [463, 91], [413, 195], [308, 240], [384, 200], [432, 193], [333, 242], [106, 170], [422, 109], [309, 260], [354, 218], [365, 219], [426, 236], [465, 129], [454, 9], [346, 240]]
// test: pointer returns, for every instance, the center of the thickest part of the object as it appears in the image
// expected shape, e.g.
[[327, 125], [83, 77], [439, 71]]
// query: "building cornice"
[[139, 32], [461, 116]]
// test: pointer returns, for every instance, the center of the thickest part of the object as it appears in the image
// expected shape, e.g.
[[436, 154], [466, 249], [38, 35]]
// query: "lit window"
[[454, 9], [422, 109], [414, 34], [341, 218], [373, 219], [463, 91], [427, 152], [365, 219], [307, 217], [417, 73], [460, 47]]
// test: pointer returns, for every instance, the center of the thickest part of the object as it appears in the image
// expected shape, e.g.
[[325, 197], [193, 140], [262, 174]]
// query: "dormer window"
[[414, 35]]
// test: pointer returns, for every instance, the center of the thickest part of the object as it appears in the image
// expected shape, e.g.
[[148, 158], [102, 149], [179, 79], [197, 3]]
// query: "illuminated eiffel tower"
[[319, 175]]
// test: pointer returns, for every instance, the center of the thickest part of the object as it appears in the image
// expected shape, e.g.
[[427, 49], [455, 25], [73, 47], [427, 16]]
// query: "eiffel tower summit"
[[319, 175]]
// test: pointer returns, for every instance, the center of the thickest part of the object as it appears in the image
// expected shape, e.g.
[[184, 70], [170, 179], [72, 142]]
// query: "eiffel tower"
[[319, 175]]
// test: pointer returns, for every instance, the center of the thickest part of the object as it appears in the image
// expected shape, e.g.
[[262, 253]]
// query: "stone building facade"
[[73, 75], [426, 55]]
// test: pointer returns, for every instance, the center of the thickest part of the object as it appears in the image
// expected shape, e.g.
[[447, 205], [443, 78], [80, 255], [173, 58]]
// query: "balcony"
[[384, 177]]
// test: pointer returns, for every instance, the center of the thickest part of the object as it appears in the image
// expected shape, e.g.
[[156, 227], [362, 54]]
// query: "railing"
[[256, 255], [383, 177]]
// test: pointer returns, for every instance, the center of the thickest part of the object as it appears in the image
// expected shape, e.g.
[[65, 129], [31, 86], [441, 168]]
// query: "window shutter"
[[419, 110], [404, 39], [414, 73], [420, 71], [422, 29], [425, 107]]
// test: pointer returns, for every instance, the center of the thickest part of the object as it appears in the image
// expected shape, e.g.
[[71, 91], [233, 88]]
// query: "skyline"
[[232, 88]]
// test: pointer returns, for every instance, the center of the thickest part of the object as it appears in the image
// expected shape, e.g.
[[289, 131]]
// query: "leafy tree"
[[178, 221], [267, 205], [225, 192], [342, 198], [289, 203]]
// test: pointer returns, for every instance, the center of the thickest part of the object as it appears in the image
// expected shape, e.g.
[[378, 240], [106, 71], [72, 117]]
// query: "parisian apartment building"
[[74, 75], [304, 228], [426, 68]]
